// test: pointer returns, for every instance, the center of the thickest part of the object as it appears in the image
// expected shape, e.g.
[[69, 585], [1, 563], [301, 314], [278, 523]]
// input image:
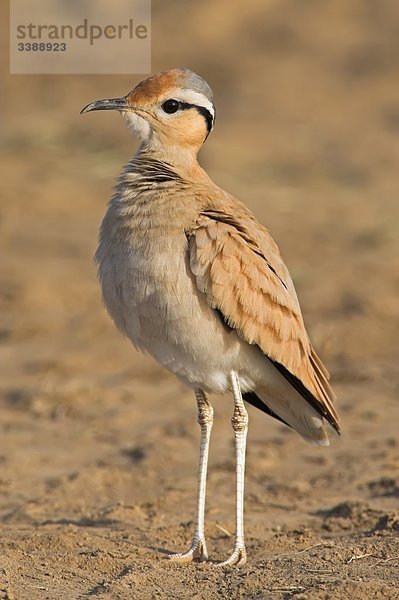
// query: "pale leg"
[[205, 420], [239, 422]]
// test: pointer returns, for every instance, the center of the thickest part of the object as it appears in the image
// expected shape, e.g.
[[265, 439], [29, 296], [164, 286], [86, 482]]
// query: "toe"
[[238, 558], [197, 551], [183, 557]]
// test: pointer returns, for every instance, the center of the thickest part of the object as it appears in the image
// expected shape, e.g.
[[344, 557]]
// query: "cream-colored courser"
[[190, 276]]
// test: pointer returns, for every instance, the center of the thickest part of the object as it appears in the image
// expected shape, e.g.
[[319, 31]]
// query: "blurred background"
[[97, 438]]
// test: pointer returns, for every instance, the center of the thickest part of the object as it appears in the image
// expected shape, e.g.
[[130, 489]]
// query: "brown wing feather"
[[238, 266]]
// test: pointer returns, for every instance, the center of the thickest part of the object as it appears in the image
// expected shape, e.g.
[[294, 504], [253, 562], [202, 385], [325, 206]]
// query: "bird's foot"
[[197, 551], [238, 558]]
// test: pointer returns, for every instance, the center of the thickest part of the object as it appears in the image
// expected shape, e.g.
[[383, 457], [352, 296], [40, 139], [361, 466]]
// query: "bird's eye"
[[171, 106]]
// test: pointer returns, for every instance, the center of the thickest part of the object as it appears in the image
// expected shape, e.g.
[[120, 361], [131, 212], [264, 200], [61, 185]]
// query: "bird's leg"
[[239, 422], [205, 419]]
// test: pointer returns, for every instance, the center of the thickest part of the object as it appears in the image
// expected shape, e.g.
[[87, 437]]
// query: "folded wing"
[[238, 266]]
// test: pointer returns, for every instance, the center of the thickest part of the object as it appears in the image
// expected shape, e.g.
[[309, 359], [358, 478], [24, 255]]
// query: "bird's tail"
[[291, 408]]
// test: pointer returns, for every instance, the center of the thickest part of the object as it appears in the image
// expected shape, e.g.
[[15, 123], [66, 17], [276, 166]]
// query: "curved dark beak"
[[108, 104]]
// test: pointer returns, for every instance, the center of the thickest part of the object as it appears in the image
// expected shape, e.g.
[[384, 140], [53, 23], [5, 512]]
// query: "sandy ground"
[[98, 450]]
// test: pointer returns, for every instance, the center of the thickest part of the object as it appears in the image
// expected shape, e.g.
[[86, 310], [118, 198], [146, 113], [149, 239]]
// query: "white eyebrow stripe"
[[195, 98]]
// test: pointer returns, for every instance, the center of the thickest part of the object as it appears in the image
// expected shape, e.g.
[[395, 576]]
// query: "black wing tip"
[[337, 429], [255, 401], [307, 395]]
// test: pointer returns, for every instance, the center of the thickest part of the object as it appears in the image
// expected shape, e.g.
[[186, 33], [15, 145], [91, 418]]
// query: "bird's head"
[[170, 109]]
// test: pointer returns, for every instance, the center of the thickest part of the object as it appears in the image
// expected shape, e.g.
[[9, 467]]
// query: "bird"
[[193, 279]]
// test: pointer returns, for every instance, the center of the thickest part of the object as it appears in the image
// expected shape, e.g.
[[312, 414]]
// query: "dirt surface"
[[98, 452]]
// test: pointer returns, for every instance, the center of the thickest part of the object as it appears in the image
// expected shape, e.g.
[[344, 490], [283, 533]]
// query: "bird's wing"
[[238, 267]]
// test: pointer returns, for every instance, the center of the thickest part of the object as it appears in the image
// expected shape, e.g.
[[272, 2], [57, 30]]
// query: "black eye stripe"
[[171, 106], [207, 116], [202, 111]]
